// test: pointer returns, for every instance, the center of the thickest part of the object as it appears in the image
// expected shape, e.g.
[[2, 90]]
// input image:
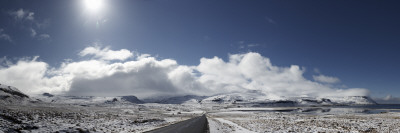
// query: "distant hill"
[[11, 95], [125, 99], [50, 98], [259, 99], [180, 99]]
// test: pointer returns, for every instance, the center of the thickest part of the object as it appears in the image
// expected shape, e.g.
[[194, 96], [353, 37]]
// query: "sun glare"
[[93, 5]]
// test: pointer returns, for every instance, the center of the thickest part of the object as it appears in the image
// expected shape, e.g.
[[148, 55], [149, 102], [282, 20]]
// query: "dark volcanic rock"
[[131, 99], [48, 95]]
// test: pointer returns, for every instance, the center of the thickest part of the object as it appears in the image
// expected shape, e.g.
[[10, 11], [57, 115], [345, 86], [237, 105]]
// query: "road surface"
[[194, 125]]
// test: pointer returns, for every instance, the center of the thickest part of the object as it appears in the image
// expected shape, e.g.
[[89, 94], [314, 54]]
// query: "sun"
[[94, 5]]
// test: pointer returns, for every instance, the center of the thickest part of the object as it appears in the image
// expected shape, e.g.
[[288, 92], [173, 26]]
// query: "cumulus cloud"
[[5, 62], [30, 76], [325, 79], [5, 36], [251, 71], [143, 78], [147, 76], [106, 53], [22, 14]]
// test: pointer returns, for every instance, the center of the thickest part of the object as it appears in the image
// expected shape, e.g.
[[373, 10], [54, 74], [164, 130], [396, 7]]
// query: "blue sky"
[[355, 41]]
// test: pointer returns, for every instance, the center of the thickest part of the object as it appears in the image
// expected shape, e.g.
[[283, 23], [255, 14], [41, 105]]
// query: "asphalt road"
[[194, 125]]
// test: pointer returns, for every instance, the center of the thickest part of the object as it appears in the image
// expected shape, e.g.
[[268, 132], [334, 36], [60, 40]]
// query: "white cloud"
[[325, 79], [142, 56], [5, 36], [33, 32], [43, 36], [19, 14], [316, 70], [147, 76], [22, 14], [30, 76], [4, 62], [34, 24], [143, 78], [389, 99], [30, 16], [243, 45], [254, 72], [253, 45], [39, 37], [106, 53], [43, 24]]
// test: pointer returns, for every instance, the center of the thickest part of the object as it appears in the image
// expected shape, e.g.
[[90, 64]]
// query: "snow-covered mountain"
[[259, 99], [312, 101], [249, 97], [11, 95], [47, 97], [187, 99], [125, 99], [351, 100]]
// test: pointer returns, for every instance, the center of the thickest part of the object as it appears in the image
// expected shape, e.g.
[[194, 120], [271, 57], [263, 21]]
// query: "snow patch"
[[235, 127]]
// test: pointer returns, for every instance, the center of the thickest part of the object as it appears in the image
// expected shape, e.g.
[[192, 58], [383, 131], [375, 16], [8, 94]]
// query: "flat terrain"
[[101, 118], [290, 122], [93, 118]]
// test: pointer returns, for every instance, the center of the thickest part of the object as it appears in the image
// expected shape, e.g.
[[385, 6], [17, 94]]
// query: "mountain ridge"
[[9, 94]]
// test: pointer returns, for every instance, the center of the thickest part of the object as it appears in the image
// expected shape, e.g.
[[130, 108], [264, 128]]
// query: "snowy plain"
[[225, 113], [289, 122]]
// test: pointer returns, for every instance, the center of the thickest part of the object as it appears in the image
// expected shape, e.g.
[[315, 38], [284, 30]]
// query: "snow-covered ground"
[[103, 118], [123, 117], [220, 125], [289, 122], [226, 114]]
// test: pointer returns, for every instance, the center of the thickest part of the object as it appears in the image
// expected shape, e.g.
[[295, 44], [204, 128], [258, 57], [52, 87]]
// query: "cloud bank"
[[113, 73], [389, 99]]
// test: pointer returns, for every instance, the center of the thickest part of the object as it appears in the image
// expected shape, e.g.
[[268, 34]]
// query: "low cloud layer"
[[113, 73], [389, 99]]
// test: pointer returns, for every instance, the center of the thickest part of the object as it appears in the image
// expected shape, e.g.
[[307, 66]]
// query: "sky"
[[201, 47]]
